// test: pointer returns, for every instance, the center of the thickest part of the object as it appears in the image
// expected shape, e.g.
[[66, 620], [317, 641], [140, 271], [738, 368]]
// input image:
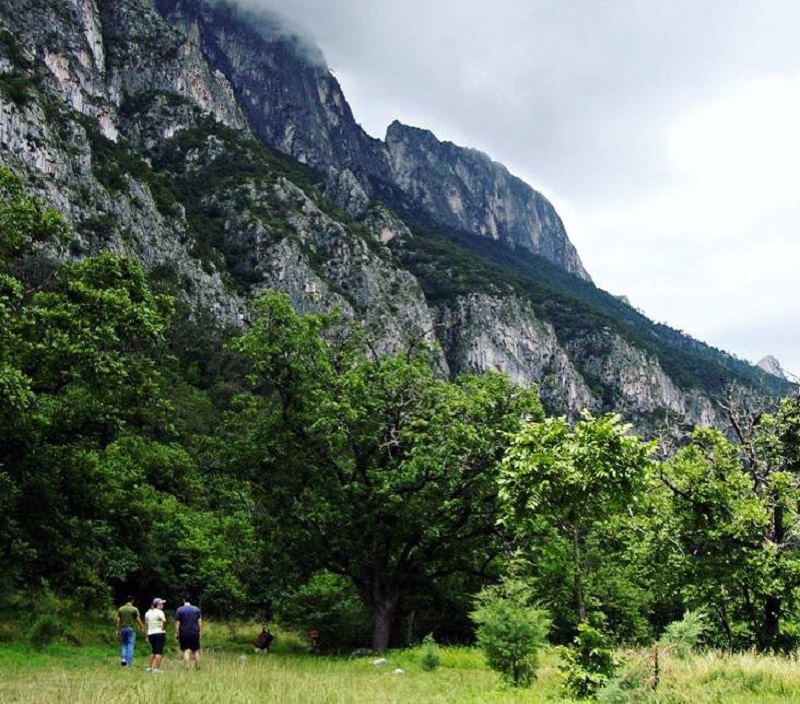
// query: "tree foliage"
[[510, 629], [572, 481], [733, 517], [139, 454], [384, 471], [590, 663]]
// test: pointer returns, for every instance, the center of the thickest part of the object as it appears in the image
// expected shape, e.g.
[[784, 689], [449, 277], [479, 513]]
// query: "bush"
[[328, 604], [510, 630], [50, 616], [681, 637], [45, 630], [589, 664], [430, 654]]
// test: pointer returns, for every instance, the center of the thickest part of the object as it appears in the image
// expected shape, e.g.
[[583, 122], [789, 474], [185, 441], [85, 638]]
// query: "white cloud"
[[665, 134], [744, 146], [713, 248]]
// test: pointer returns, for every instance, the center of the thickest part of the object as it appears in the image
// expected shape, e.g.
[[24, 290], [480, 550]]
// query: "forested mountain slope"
[[219, 150], [250, 352]]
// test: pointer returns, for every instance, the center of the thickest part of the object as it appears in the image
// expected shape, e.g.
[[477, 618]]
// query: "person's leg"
[[159, 650], [127, 637], [186, 653], [197, 659], [131, 646], [152, 664]]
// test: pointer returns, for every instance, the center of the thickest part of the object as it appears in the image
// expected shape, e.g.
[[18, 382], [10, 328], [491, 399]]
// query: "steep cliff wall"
[[480, 332], [62, 130], [598, 372], [118, 132], [295, 104], [466, 190], [150, 136], [282, 82]]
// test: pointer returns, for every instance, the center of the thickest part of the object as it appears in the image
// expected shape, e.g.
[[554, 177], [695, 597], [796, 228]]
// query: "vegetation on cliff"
[[293, 454]]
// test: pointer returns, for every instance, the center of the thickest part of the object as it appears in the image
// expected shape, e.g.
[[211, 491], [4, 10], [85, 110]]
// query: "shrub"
[[50, 617], [510, 630], [45, 630], [328, 604], [430, 654], [680, 637], [589, 664]]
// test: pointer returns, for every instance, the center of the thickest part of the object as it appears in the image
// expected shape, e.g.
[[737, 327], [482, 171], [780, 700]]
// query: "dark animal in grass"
[[263, 641]]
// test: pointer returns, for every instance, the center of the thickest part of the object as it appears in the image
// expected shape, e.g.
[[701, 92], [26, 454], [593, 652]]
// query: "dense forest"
[[290, 471]]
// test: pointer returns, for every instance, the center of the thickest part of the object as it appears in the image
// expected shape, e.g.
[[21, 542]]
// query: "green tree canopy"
[[375, 468], [733, 522], [573, 480]]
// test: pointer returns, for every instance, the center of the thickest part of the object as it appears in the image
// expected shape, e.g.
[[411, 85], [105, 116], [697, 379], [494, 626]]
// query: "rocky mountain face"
[[282, 83], [295, 104], [772, 366], [153, 125], [464, 189]]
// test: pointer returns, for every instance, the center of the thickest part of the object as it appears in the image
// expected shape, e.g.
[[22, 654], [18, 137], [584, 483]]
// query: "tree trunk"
[[770, 618], [577, 577], [383, 613], [770, 623]]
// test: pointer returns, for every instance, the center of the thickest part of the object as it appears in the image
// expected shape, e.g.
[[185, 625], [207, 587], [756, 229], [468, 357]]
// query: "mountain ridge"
[[130, 125]]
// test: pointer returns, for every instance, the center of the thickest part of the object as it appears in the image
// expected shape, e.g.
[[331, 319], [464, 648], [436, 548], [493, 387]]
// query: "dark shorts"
[[189, 641], [157, 641]]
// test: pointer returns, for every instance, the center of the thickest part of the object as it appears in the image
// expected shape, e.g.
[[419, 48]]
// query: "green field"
[[68, 674], [232, 672]]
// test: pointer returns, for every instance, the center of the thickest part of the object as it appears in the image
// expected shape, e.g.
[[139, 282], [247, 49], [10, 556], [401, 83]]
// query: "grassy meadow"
[[231, 672]]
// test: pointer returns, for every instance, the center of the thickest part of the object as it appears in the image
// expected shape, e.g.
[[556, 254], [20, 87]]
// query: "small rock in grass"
[[379, 661]]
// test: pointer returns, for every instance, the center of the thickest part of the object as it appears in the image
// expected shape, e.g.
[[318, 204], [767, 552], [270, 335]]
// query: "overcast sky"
[[666, 133]]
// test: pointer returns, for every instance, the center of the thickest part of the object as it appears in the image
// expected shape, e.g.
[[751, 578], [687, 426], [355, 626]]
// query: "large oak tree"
[[370, 465]]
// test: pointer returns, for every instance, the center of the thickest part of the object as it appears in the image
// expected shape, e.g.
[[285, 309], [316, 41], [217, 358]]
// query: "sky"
[[666, 134]]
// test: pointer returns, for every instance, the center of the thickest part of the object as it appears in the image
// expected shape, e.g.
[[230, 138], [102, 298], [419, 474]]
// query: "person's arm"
[[199, 625], [177, 627], [116, 624], [139, 622]]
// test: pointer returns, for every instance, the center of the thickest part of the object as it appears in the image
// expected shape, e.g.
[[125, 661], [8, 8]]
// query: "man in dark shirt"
[[188, 624]]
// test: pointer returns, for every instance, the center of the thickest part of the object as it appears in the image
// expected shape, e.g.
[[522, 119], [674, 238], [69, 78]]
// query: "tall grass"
[[93, 675], [713, 677], [232, 672]]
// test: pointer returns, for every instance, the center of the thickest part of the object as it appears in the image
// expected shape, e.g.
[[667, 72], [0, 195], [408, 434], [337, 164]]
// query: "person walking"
[[188, 624], [156, 633], [126, 618]]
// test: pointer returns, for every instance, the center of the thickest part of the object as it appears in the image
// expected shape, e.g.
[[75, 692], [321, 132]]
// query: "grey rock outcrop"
[[599, 372], [55, 135], [633, 381], [149, 135], [465, 189], [772, 366], [282, 82], [294, 103], [480, 332]]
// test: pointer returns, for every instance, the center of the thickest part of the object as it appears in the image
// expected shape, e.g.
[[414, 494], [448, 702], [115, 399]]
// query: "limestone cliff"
[[465, 189], [152, 125], [295, 104]]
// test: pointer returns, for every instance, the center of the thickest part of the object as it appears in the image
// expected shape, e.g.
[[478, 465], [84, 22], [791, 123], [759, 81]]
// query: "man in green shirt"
[[127, 617]]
